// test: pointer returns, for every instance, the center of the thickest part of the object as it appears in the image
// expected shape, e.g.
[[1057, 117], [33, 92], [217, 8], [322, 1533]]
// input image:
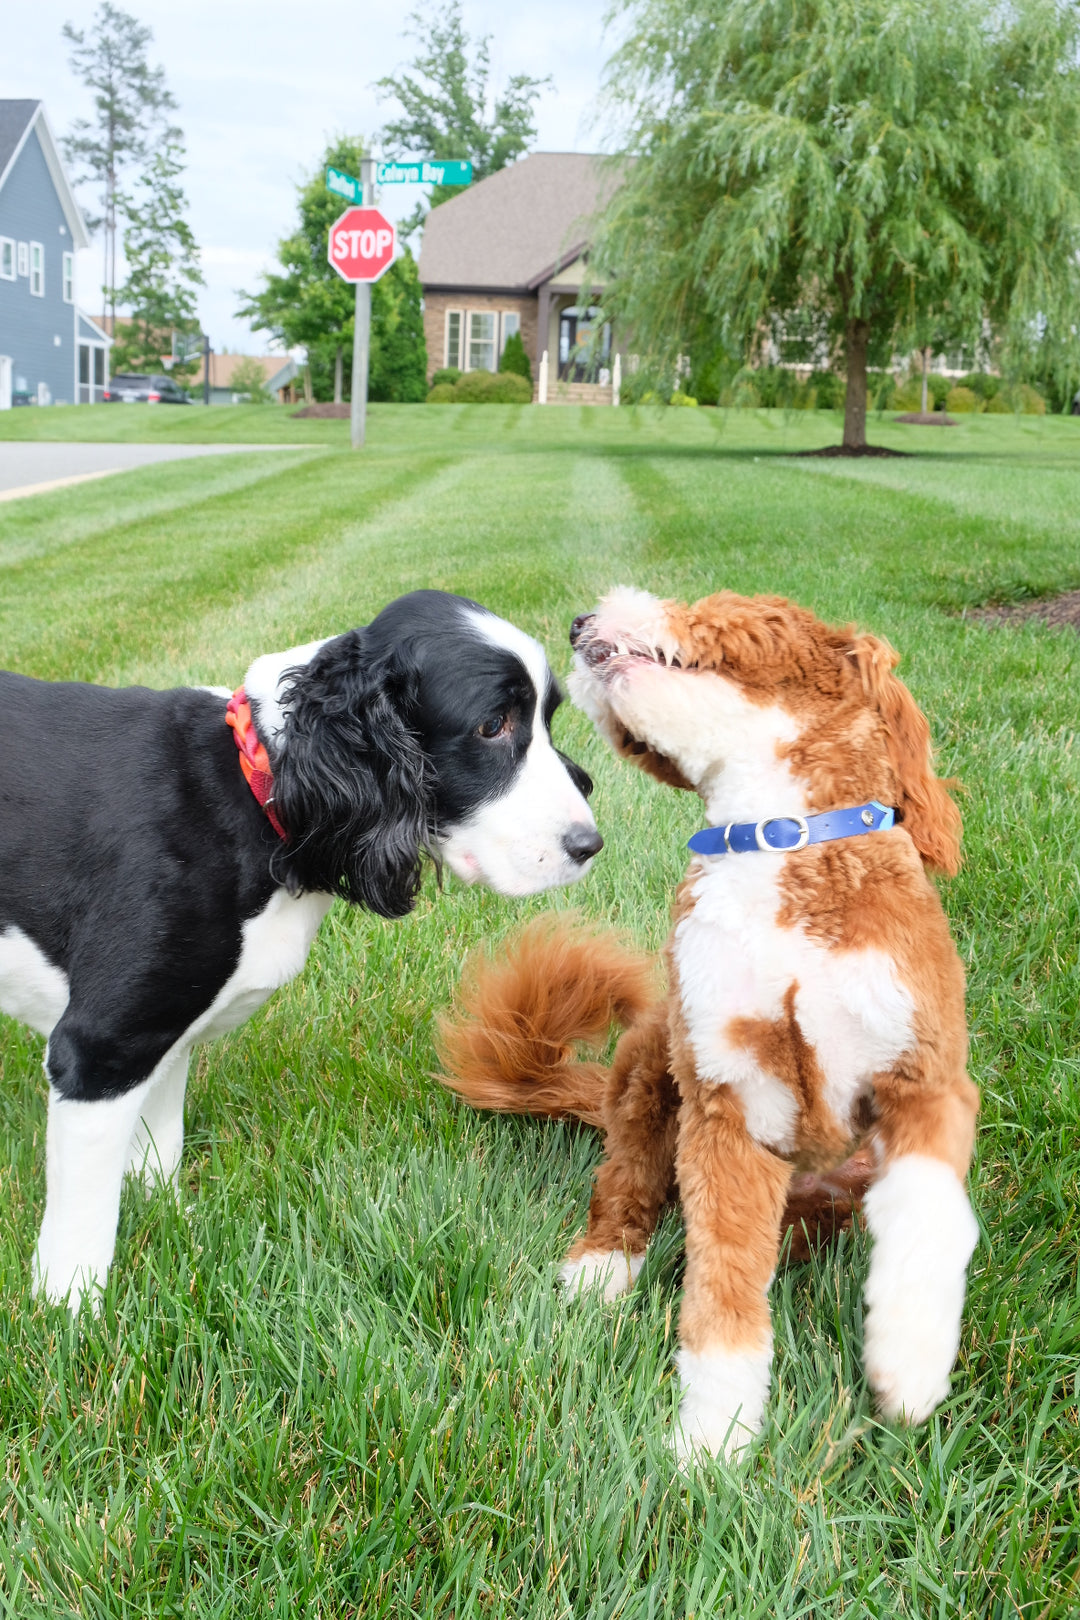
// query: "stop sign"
[[361, 244]]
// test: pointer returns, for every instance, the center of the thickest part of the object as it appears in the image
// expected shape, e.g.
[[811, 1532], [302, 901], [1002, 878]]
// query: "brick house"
[[511, 254]]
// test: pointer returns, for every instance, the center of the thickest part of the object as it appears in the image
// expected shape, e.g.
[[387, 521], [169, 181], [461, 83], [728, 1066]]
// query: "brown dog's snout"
[[578, 626]]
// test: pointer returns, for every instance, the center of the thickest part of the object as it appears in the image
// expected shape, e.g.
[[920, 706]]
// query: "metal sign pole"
[[362, 327]]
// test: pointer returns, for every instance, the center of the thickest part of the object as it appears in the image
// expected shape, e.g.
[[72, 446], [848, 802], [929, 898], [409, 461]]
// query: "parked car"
[[138, 388]]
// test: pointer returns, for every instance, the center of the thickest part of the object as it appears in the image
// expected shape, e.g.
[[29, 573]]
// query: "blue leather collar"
[[783, 833]]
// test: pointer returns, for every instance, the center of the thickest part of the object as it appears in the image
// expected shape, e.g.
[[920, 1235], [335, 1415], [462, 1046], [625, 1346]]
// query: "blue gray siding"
[[30, 211]]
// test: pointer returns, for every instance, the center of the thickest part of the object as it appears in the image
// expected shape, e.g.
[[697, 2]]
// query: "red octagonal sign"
[[361, 244]]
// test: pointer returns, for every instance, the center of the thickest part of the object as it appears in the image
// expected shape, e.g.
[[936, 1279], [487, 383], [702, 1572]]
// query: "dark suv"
[[136, 388]]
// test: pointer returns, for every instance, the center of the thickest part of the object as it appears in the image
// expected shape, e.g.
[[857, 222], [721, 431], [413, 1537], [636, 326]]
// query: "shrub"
[[982, 384], [828, 390], [908, 397], [679, 398], [885, 393], [1020, 398], [511, 389], [249, 380], [483, 388], [937, 390], [962, 399], [514, 359], [448, 374]]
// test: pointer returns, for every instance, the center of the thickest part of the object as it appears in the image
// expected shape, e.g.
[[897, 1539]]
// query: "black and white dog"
[[147, 902]]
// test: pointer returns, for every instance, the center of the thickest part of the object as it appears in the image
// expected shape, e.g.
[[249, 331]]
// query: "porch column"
[[543, 317]]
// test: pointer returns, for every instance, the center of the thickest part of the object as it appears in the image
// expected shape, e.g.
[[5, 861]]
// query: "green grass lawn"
[[339, 1381]]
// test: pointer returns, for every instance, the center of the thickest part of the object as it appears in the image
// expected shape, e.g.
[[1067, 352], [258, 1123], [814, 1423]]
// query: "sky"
[[262, 86]]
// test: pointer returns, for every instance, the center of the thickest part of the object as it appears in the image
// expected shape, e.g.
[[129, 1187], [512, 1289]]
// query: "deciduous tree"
[[307, 304], [445, 95], [885, 165]]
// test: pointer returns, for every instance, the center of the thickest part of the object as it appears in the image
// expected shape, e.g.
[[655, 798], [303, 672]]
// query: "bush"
[[448, 374], [679, 398], [483, 388], [514, 359], [828, 390], [249, 380], [885, 392], [1020, 398], [962, 399], [982, 385]]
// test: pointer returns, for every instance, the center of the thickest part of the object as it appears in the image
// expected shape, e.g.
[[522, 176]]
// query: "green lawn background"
[[339, 1379]]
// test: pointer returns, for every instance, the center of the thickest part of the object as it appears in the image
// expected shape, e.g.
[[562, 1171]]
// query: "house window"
[[24, 259], [37, 270], [69, 278], [453, 338], [7, 259], [511, 323], [481, 340]]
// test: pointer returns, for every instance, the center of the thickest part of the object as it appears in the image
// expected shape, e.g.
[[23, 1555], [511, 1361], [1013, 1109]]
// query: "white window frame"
[[453, 357], [506, 329], [37, 269], [7, 258], [68, 263], [24, 258], [491, 342]]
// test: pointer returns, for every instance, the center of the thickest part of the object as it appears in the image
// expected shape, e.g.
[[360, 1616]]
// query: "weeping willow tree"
[[879, 166]]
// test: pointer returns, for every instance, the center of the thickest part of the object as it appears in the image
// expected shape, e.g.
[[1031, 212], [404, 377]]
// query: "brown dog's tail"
[[512, 1042]]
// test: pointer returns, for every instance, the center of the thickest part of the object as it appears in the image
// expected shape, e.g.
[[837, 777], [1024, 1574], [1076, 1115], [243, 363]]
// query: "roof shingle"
[[506, 231]]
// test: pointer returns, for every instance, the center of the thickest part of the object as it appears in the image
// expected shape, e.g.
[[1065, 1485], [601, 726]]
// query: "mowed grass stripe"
[[45, 525], [113, 604]]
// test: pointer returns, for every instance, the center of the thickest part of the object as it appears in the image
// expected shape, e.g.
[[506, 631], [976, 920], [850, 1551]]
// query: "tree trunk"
[[309, 397], [339, 373], [925, 369], [856, 338]]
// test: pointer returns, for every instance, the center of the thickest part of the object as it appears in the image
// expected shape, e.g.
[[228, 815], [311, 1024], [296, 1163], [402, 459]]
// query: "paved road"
[[30, 468]]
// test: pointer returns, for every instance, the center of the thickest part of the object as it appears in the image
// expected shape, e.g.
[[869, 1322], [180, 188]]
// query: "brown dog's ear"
[[928, 813]]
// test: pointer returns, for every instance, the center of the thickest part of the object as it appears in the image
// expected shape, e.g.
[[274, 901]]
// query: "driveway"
[[31, 468]]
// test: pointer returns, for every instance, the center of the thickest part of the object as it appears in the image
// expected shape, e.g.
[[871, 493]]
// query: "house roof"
[[17, 119], [518, 227]]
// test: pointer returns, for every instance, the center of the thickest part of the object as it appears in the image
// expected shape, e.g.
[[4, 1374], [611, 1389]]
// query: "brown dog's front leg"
[[733, 1193]]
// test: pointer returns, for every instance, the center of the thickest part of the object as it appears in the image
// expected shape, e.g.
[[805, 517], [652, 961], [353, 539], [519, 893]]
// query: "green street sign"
[[427, 172], [344, 185]]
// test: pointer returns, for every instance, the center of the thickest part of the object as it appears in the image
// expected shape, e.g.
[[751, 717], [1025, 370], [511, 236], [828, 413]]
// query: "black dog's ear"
[[581, 779], [349, 780]]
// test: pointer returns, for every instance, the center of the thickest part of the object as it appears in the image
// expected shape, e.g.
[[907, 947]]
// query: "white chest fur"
[[31, 988], [275, 948], [734, 960]]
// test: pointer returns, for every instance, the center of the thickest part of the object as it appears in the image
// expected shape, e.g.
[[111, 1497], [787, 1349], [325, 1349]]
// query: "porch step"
[[577, 393]]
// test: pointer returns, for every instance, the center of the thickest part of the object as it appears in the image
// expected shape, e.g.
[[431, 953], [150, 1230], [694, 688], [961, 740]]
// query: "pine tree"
[[131, 102], [163, 266], [886, 166]]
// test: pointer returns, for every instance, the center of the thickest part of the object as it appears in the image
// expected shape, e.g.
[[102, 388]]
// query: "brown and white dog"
[[815, 1004]]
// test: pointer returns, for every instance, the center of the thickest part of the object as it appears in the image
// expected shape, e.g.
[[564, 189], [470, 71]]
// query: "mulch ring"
[[863, 450], [927, 419], [1053, 610], [338, 413]]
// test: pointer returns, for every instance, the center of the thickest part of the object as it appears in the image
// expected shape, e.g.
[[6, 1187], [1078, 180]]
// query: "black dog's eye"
[[495, 726]]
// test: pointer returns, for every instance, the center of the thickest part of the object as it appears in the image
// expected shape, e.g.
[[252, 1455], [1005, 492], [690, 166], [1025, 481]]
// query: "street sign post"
[[425, 172], [360, 247]]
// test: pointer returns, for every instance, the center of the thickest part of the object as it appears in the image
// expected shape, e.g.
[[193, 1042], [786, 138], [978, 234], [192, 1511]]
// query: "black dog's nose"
[[582, 842], [578, 626]]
